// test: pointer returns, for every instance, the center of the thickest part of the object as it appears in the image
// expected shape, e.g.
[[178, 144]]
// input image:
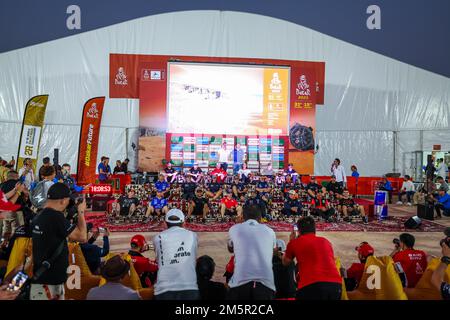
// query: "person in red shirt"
[[413, 262], [356, 270], [230, 206], [145, 268], [319, 279], [219, 173]]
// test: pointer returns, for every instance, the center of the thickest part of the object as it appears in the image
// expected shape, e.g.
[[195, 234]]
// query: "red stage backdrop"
[[146, 77], [89, 135]]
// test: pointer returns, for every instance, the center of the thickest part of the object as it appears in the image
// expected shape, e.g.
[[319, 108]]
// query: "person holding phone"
[[26, 173], [93, 253]]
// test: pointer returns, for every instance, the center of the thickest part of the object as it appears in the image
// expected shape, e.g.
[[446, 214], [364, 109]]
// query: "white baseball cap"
[[175, 213]]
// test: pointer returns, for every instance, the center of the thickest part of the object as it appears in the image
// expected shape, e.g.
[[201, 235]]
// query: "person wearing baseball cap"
[[292, 206], [176, 254], [145, 267], [50, 229], [356, 270]]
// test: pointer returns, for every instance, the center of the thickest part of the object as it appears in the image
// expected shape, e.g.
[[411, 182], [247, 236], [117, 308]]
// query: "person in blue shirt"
[[263, 189], [238, 158], [104, 170], [442, 203], [65, 177], [386, 185], [162, 185], [93, 253], [158, 205], [355, 172]]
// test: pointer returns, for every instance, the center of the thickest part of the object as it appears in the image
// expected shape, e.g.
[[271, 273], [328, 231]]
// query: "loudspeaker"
[[56, 157], [425, 211], [413, 222]]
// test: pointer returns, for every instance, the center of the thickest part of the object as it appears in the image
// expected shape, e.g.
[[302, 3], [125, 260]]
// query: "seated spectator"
[[442, 203], [198, 206], [334, 189], [279, 179], [386, 186], [442, 183], [176, 253], [209, 290], [170, 173], [321, 207], [158, 206], [113, 270], [292, 206], [162, 185], [284, 276], [413, 262], [407, 189], [125, 206], [195, 173], [219, 173], [188, 188], [356, 270], [313, 188], [254, 200], [347, 207], [230, 207], [288, 185], [437, 278], [145, 268], [319, 278], [290, 171], [117, 168], [252, 244], [244, 173], [239, 189], [93, 253], [263, 189], [214, 189]]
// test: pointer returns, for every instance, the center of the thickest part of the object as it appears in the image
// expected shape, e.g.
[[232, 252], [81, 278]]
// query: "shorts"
[[198, 209]]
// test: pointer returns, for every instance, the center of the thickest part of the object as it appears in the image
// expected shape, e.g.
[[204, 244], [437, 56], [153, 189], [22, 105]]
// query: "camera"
[[72, 208], [446, 240]]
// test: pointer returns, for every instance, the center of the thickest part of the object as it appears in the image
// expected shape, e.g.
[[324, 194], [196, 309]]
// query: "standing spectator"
[[385, 185], [66, 178], [437, 278], [413, 262], [406, 189], [209, 290], [113, 271], [45, 163], [284, 276], [93, 253], [319, 277], [223, 156], [442, 203], [356, 270], [338, 171], [50, 232], [238, 158], [104, 170], [145, 268], [27, 174], [253, 245], [117, 168], [355, 174], [124, 166], [3, 170], [441, 168], [176, 252]]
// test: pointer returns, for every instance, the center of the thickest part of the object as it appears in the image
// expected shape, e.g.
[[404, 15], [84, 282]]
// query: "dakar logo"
[[92, 112], [121, 77], [302, 87], [275, 83]]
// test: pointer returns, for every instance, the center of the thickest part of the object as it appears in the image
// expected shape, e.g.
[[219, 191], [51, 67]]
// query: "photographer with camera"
[[438, 275], [93, 253], [442, 203], [413, 262], [50, 230]]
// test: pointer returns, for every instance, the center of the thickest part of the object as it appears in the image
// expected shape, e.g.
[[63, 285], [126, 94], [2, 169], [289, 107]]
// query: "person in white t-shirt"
[[244, 173], [176, 254], [224, 154], [407, 189], [26, 173], [441, 169], [338, 171], [253, 246]]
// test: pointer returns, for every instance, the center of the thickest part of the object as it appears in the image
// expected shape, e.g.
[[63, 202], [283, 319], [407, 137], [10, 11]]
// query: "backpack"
[[39, 195]]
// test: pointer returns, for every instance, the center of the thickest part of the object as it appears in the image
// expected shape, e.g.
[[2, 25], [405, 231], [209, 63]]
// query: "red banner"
[[89, 135]]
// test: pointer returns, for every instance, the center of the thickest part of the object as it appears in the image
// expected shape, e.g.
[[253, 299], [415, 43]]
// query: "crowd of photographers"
[[48, 211]]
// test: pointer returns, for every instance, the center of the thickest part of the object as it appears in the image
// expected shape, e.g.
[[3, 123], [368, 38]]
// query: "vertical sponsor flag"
[[30, 137], [89, 135]]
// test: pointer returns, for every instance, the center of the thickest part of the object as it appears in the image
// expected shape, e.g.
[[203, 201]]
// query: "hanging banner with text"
[[89, 136], [30, 137]]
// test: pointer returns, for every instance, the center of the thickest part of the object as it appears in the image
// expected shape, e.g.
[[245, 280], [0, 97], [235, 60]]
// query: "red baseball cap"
[[5, 205], [138, 240], [365, 249]]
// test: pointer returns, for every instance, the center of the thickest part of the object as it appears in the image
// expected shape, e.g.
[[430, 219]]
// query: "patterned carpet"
[[393, 224]]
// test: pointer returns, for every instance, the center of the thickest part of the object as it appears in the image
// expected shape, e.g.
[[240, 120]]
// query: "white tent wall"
[[367, 95]]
